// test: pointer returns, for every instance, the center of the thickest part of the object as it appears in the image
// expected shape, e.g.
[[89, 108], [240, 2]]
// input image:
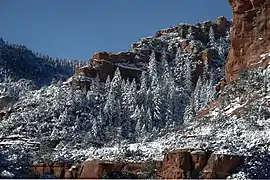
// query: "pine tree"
[[168, 94], [95, 85], [152, 68], [108, 108], [116, 83], [95, 128], [157, 107], [142, 93], [197, 95], [129, 98], [149, 120], [187, 76], [191, 33], [137, 118], [107, 85], [189, 110], [178, 68], [211, 36], [166, 74], [2, 42]]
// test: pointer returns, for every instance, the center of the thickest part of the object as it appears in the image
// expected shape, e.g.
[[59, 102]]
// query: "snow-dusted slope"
[[17, 62]]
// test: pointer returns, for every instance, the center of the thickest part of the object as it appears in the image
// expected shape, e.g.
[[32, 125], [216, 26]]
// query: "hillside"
[[19, 62], [192, 101]]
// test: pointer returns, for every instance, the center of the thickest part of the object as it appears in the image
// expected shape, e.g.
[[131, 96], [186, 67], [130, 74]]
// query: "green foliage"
[[150, 170], [47, 145]]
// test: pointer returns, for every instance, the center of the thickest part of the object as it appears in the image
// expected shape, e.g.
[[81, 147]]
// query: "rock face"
[[104, 64], [221, 166], [177, 164], [200, 30], [182, 164], [53, 170], [94, 169], [250, 37]]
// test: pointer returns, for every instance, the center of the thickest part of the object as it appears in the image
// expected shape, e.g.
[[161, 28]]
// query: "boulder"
[[199, 159], [133, 168], [96, 169], [221, 166], [101, 56], [55, 169], [176, 164], [189, 163], [221, 26]]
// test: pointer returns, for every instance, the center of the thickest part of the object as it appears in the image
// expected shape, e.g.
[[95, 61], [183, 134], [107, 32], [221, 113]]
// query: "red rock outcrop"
[[104, 64], [250, 36], [94, 169], [56, 169], [200, 30], [221, 166], [114, 58], [177, 164], [182, 164], [133, 168]]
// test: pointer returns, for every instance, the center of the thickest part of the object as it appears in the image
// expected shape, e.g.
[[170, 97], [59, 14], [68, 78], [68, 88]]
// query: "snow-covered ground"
[[129, 66]]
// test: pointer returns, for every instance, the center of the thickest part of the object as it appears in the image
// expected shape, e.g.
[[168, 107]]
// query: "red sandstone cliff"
[[250, 36], [177, 164]]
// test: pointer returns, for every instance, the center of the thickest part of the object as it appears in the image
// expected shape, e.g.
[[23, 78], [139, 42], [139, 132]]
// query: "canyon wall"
[[250, 37]]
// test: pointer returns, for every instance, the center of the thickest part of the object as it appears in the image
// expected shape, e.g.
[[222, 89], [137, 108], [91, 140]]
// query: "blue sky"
[[74, 29]]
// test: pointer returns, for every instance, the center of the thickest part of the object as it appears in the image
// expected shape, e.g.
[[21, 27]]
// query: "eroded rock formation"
[[177, 164], [189, 163], [94, 169], [250, 37], [104, 64], [54, 170]]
